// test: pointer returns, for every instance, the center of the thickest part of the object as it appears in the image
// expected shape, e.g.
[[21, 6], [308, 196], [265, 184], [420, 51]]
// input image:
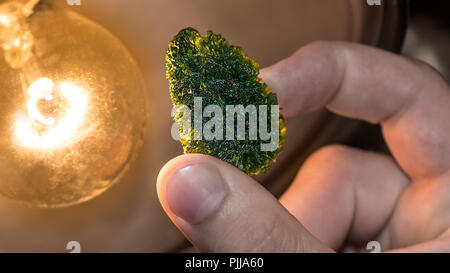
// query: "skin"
[[342, 197]]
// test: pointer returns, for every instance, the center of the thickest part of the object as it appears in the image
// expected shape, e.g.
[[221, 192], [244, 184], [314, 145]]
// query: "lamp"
[[72, 105]]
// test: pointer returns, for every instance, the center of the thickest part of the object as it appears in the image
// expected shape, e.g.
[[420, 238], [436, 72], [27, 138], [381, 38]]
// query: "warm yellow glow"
[[56, 133], [5, 20], [38, 90], [72, 105]]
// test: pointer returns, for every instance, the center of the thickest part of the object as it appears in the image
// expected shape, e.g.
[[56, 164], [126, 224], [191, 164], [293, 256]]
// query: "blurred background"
[[128, 217]]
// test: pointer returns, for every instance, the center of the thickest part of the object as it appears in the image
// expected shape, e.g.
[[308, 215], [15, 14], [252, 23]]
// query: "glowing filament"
[[56, 133], [38, 90]]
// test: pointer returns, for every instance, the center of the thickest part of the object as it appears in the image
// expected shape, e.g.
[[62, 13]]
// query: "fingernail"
[[195, 192]]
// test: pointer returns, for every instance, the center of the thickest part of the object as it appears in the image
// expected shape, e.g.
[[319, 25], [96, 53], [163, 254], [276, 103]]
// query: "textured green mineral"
[[221, 74]]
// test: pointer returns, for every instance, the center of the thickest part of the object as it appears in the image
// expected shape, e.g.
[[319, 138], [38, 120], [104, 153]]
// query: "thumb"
[[221, 209]]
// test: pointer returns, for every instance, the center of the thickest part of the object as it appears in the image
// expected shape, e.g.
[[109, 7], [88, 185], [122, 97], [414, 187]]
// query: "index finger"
[[408, 98]]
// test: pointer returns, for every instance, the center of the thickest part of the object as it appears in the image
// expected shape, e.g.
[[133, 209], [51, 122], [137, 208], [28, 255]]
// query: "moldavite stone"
[[221, 74]]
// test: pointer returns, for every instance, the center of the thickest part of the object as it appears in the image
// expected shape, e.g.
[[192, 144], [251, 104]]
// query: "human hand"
[[341, 196]]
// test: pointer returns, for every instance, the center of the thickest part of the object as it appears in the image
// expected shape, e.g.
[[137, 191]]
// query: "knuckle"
[[276, 237], [334, 152], [338, 161]]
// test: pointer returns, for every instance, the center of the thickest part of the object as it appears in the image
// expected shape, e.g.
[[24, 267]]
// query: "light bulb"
[[72, 105]]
